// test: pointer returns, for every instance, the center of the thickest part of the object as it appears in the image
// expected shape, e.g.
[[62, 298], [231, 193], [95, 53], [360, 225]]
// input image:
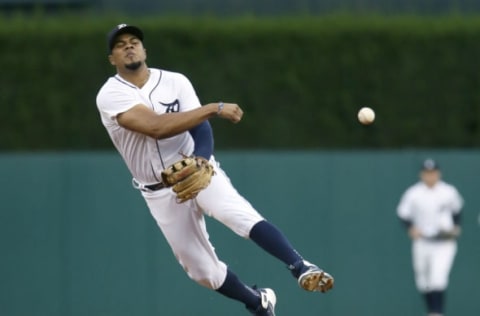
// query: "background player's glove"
[[188, 177], [447, 235]]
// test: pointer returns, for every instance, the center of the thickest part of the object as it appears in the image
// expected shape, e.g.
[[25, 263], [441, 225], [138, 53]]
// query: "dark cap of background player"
[[122, 29], [430, 165]]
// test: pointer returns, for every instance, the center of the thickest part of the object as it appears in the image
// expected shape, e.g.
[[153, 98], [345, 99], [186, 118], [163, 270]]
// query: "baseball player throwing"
[[430, 210], [155, 119]]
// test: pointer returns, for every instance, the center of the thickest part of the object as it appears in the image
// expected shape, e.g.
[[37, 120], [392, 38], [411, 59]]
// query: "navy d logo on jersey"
[[172, 107]]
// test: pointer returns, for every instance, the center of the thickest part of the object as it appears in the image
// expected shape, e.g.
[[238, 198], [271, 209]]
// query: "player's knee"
[[209, 281], [206, 282], [208, 277]]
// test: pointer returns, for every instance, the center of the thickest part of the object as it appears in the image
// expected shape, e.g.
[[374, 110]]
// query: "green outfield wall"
[[76, 239]]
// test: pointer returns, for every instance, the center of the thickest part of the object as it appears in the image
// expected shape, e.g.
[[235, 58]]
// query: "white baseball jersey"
[[164, 91], [431, 210]]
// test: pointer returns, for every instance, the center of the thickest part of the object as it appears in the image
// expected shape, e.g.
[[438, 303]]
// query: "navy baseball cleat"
[[267, 305], [314, 279]]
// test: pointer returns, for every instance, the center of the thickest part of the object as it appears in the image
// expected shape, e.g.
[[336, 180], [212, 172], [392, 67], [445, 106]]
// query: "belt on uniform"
[[149, 187], [156, 186]]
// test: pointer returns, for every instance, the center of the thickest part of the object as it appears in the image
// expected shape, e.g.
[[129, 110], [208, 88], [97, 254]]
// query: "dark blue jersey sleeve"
[[406, 223], [456, 218], [202, 135]]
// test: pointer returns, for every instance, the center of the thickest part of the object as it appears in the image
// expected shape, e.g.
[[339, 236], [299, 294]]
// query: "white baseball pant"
[[184, 227], [432, 262]]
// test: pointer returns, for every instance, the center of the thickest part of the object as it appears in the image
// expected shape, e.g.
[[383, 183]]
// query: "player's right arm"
[[404, 212], [143, 120]]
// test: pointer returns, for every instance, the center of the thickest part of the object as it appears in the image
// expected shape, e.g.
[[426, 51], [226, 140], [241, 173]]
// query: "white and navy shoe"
[[314, 279], [267, 305]]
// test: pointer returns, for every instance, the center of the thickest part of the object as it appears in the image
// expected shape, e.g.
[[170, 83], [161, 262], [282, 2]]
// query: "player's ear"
[[110, 59]]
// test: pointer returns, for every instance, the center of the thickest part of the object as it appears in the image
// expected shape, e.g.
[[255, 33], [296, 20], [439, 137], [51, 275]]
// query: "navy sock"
[[233, 288], [272, 240], [428, 301], [437, 301]]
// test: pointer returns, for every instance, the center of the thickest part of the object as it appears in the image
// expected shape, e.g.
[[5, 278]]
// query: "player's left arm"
[[202, 135], [457, 212], [457, 207]]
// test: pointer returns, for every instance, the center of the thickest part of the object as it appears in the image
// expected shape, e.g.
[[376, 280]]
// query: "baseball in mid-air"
[[366, 115]]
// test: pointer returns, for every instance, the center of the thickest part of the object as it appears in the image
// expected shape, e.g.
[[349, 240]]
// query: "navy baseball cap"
[[122, 29], [430, 165]]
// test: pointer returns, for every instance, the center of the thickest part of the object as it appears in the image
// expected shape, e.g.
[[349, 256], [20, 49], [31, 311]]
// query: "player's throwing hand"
[[230, 111]]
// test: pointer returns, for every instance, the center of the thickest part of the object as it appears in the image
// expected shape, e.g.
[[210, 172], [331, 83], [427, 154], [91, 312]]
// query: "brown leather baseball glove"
[[188, 177]]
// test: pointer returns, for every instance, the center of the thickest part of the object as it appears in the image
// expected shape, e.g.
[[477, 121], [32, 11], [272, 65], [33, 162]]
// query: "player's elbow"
[[159, 132], [152, 127]]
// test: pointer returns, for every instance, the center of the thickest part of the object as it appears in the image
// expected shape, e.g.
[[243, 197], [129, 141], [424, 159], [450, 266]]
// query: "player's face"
[[430, 177], [128, 51]]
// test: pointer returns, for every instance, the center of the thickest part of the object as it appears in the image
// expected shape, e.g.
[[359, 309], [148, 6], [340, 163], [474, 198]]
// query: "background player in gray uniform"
[[154, 116], [431, 210]]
